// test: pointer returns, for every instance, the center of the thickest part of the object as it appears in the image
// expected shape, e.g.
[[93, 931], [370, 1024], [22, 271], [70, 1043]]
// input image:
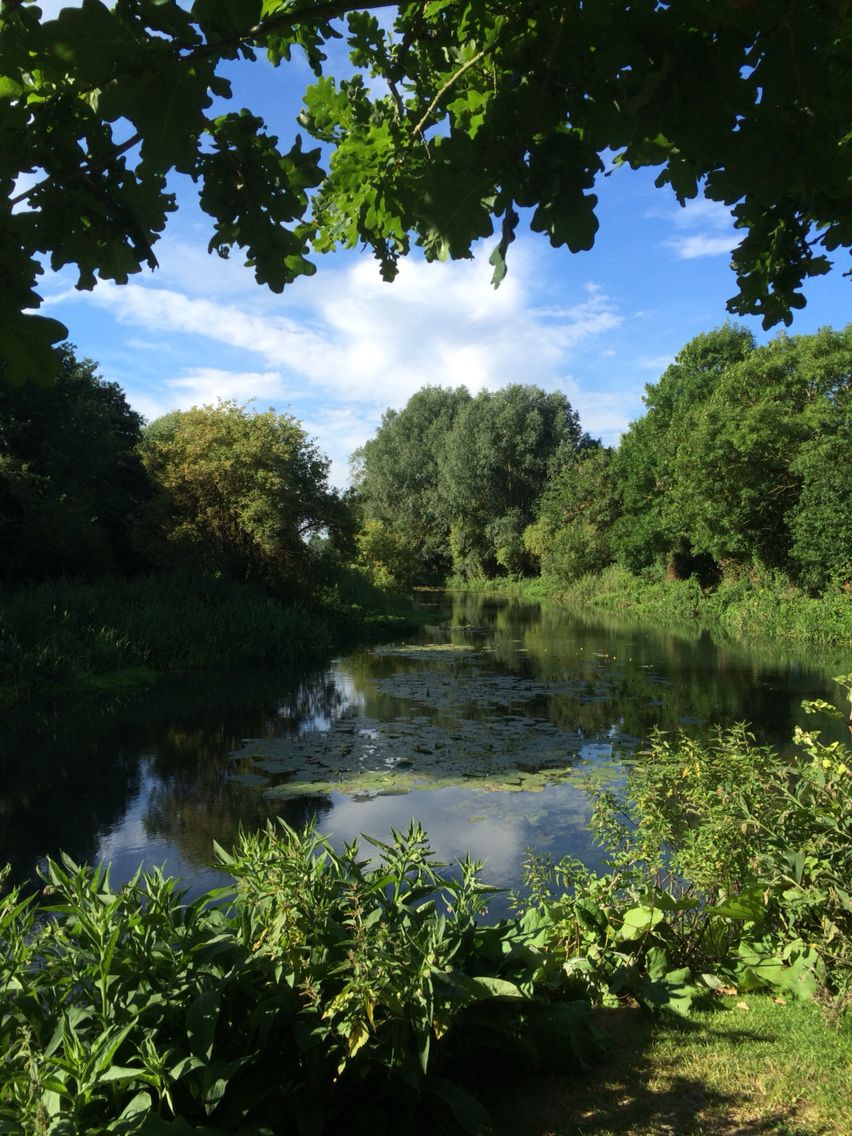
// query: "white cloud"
[[205, 385], [701, 212], [342, 347], [702, 244], [712, 229]]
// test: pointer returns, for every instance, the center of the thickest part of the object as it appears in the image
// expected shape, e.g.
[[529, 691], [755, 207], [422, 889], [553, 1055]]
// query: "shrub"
[[324, 990], [729, 865]]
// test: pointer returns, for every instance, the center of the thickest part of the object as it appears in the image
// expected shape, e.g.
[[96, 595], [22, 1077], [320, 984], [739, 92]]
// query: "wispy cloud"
[[342, 349], [702, 244], [703, 228]]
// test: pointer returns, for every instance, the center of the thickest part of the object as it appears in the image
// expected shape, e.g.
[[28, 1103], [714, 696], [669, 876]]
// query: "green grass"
[[749, 1066], [762, 608], [62, 636]]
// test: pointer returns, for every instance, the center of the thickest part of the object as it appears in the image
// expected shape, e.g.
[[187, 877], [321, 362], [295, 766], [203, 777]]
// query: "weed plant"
[[756, 606], [324, 991], [65, 634], [729, 866]]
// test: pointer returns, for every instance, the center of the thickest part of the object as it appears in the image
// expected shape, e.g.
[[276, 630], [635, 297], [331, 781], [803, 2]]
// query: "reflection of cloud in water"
[[497, 828], [129, 844]]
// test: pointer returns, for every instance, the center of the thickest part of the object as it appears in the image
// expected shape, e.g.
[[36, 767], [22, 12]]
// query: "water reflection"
[[501, 696]]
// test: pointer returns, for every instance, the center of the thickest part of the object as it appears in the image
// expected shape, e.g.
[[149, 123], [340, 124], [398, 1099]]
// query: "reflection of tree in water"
[[637, 677], [194, 803], [191, 815], [69, 773], [319, 699], [61, 785]]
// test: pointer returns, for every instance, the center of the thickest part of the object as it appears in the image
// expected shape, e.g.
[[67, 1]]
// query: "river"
[[493, 727]]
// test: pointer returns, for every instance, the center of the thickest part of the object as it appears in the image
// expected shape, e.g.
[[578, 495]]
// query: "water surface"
[[491, 727]]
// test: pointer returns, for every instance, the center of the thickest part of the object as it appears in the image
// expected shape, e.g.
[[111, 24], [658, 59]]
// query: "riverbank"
[[750, 1064], [64, 637], [746, 608]]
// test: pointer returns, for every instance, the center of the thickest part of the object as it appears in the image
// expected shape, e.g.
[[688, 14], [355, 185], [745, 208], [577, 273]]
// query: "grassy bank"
[[744, 608], [750, 1064], [66, 636]]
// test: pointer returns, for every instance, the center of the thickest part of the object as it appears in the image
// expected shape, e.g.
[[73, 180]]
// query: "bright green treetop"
[[459, 114], [238, 492]]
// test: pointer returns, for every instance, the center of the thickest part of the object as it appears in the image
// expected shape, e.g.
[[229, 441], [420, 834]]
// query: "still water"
[[492, 727]]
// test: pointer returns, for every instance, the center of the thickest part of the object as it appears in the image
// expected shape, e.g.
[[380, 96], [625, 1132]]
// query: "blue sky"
[[337, 349]]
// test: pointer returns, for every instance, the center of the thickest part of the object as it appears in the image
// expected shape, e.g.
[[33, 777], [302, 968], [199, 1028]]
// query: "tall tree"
[[71, 483], [772, 420], [397, 475], [239, 492], [652, 528], [504, 446], [452, 118]]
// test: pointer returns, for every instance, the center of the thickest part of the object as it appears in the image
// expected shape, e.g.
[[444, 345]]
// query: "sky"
[[337, 349]]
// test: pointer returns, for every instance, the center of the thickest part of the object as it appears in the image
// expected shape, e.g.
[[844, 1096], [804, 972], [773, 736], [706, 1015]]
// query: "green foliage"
[[735, 480], [503, 448], [756, 605], [572, 535], [238, 492], [382, 551], [71, 483], [650, 530], [448, 121], [323, 988], [455, 480], [821, 522], [398, 477], [60, 636], [728, 865]]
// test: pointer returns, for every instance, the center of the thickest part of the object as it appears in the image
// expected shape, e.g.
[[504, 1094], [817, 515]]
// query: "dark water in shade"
[[500, 715]]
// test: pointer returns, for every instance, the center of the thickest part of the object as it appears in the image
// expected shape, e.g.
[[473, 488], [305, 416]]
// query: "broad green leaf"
[[639, 920]]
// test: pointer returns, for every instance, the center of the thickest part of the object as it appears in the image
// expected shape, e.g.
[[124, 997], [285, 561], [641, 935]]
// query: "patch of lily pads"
[[421, 651], [511, 750], [364, 757]]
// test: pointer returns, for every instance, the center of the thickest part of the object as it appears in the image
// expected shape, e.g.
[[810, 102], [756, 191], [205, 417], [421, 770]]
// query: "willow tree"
[[452, 117]]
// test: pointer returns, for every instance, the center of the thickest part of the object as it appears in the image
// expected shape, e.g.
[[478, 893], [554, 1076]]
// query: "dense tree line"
[[87, 490], [742, 460], [451, 481]]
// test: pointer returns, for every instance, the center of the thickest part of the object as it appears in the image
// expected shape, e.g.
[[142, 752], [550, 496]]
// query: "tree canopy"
[[238, 492], [71, 482], [741, 460], [452, 119], [452, 481]]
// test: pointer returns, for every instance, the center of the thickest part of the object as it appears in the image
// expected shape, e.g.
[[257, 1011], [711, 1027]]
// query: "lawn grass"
[[749, 1066]]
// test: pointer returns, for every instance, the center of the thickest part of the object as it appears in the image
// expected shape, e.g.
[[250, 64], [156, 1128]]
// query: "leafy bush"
[[729, 865], [324, 990]]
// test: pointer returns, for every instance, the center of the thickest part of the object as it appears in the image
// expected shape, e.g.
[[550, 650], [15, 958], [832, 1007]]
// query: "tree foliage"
[[238, 492], [505, 446], [650, 528], [398, 476], [737, 478], [741, 461], [71, 483], [456, 480], [450, 120], [572, 535]]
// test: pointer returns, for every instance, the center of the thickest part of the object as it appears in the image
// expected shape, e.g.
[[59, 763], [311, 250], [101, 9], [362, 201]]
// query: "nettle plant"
[[323, 988], [729, 867]]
